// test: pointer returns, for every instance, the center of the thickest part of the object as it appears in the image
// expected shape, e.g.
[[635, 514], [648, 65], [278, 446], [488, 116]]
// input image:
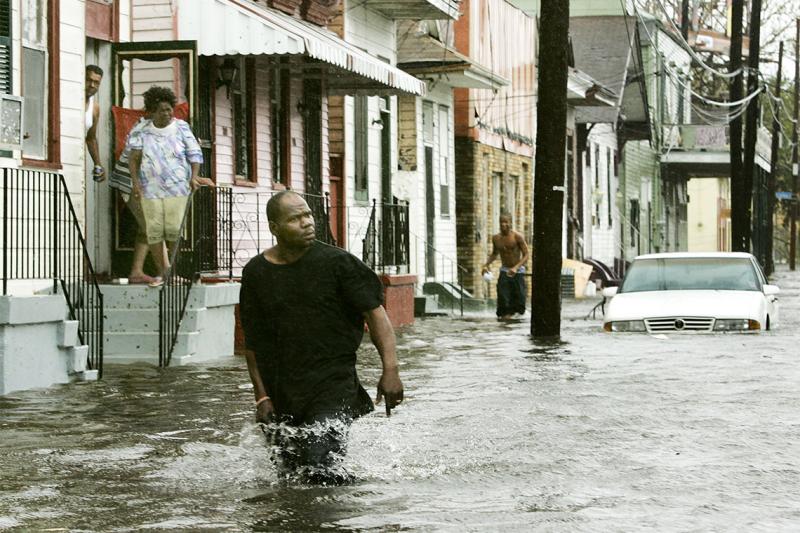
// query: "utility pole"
[[793, 204], [769, 264], [738, 208], [685, 20], [751, 124], [548, 187]]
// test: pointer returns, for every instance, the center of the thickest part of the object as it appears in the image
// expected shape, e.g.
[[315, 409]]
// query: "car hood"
[[705, 303]]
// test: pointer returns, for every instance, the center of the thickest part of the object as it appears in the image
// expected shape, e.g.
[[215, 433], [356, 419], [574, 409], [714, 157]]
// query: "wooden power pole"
[[769, 264], [738, 208], [685, 20], [548, 188], [793, 204], [751, 125]]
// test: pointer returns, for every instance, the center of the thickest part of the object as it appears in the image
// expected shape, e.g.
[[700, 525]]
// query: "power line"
[[684, 44]]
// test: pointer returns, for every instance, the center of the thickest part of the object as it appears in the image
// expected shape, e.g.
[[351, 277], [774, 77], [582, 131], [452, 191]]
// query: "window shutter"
[[5, 47]]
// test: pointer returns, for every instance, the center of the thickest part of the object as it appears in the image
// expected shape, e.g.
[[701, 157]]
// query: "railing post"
[[56, 234], [5, 231], [229, 195]]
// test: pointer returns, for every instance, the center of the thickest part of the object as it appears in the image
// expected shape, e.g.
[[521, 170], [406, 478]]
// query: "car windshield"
[[691, 273]]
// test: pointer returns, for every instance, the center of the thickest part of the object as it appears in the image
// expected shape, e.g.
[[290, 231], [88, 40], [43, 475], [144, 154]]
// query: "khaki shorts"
[[163, 217], [135, 207]]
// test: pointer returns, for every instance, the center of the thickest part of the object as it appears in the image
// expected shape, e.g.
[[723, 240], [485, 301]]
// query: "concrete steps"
[[131, 321], [449, 296]]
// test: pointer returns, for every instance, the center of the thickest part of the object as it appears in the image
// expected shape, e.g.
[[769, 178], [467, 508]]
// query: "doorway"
[[133, 65]]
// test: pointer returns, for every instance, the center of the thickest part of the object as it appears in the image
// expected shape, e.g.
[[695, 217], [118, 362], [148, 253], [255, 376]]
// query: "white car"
[[692, 292]]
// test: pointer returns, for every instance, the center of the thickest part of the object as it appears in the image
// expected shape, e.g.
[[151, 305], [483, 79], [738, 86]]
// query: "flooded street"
[[601, 432]]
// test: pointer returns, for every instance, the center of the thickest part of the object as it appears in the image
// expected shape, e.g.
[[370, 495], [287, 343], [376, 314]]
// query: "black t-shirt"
[[304, 321]]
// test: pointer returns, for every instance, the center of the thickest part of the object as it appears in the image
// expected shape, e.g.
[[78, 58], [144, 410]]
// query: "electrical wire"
[[705, 99], [692, 53]]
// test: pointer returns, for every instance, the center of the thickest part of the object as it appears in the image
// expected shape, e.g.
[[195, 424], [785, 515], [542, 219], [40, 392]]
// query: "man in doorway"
[[513, 251], [94, 76], [303, 305]]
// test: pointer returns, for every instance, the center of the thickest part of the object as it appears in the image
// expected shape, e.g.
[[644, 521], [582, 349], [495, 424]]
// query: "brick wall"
[[476, 210]]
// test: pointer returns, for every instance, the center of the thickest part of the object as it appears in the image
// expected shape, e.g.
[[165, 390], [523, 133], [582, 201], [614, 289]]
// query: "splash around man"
[[303, 305], [510, 245]]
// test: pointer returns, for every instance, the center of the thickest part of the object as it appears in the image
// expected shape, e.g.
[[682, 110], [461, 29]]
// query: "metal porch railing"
[[221, 230], [386, 244], [205, 246], [42, 241]]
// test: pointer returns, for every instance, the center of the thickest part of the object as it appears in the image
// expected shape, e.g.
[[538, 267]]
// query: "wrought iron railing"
[[386, 244], [221, 230], [205, 247], [445, 270], [250, 229], [42, 241]]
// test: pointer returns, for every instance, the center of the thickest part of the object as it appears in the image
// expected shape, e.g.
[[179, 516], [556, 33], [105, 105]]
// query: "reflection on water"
[[497, 433]]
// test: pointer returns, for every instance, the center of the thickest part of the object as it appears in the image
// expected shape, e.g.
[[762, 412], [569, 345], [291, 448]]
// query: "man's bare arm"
[[264, 409], [523, 249], [382, 334], [91, 138]]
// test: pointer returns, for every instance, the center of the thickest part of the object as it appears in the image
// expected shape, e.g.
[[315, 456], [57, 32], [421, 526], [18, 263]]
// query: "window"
[[34, 78], [609, 179], [6, 85], [5, 47], [497, 178], [242, 104], [279, 104], [634, 221], [444, 161], [361, 147], [597, 195]]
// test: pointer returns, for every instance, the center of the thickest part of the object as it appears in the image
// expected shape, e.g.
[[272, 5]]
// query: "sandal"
[[157, 282]]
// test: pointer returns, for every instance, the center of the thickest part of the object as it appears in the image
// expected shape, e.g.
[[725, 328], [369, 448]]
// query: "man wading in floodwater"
[[513, 251], [303, 305]]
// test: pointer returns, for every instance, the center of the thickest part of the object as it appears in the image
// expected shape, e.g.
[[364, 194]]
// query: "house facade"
[[51, 305], [495, 132]]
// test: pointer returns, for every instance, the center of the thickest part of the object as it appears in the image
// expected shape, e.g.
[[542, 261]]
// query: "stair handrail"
[[204, 220], [457, 274], [42, 230]]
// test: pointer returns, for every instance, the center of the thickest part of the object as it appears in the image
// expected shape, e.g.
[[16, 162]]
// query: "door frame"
[[121, 257]]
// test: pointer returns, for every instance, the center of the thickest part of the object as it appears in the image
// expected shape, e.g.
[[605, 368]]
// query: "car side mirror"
[[608, 292], [771, 290]]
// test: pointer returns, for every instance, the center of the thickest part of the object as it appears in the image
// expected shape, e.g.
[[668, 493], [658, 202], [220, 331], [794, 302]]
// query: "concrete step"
[[428, 305], [146, 343], [68, 333], [77, 357], [130, 359], [130, 320], [144, 297], [130, 297]]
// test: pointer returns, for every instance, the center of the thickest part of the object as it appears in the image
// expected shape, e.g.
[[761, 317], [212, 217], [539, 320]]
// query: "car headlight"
[[625, 326], [736, 324]]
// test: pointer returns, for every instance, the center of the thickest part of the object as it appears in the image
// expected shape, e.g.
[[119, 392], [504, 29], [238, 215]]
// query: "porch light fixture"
[[227, 74]]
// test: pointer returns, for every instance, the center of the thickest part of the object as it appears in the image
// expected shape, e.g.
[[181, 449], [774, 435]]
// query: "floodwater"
[[601, 432]]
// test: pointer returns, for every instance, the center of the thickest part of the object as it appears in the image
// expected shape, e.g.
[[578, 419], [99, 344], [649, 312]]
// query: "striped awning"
[[239, 27]]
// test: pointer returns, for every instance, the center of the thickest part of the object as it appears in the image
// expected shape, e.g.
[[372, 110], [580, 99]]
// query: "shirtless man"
[[94, 75], [513, 251]]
